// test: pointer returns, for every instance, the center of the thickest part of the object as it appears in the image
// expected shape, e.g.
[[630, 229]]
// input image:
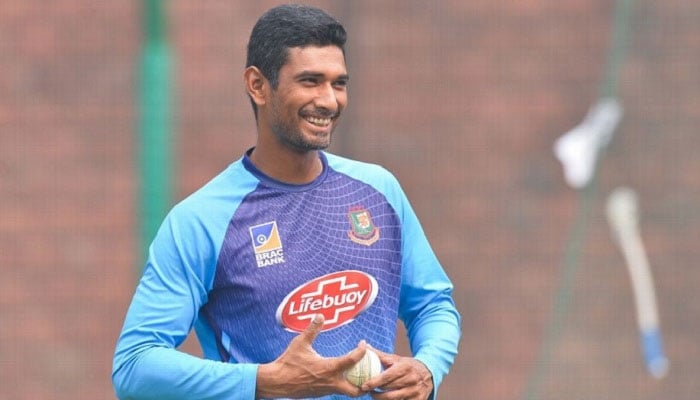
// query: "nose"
[[327, 98]]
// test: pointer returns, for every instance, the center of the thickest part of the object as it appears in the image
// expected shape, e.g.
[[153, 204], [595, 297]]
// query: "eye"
[[309, 81], [340, 84]]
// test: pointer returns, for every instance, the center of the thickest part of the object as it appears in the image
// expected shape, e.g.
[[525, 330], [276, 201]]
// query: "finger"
[[393, 377], [386, 359], [384, 382], [348, 389], [406, 374], [309, 334], [353, 357]]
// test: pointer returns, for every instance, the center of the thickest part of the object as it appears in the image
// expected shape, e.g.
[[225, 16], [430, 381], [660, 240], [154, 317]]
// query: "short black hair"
[[287, 26]]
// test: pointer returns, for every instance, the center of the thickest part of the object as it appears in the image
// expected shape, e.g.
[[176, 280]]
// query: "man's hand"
[[300, 372], [404, 378]]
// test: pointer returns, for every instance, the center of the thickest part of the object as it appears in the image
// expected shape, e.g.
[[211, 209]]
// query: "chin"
[[319, 140], [318, 145], [310, 144]]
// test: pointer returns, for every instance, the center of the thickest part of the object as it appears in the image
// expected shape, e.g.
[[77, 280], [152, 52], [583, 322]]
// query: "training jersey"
[[247, 261]]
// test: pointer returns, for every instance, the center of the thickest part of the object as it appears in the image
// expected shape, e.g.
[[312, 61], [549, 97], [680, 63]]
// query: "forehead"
[[327, 60]]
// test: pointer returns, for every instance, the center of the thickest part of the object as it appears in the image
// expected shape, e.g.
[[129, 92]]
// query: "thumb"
[[353, 357], [309, 334]]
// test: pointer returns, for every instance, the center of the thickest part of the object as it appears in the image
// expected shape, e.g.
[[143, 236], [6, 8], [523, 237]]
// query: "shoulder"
[[363, 171], [194, 229], [373, 175], [210, 207], [223, 190]]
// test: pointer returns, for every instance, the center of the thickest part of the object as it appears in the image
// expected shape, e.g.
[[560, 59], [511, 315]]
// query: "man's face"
[[312, 92]]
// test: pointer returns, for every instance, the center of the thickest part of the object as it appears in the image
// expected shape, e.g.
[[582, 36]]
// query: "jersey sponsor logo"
[[340, 297], [267, 244], [362, 230]]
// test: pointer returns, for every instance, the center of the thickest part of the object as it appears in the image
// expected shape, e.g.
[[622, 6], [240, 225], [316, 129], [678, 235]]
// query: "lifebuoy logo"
[[340, 297]]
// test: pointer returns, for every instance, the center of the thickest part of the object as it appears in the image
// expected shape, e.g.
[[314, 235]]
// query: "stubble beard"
[[289, 133], [293, 138]]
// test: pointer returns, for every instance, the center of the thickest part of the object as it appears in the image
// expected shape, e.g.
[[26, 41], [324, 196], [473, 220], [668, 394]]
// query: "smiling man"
[[292, 261], [299, 113]]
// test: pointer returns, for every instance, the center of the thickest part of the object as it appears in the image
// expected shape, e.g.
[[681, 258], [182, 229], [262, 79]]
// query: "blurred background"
[[462, 100]]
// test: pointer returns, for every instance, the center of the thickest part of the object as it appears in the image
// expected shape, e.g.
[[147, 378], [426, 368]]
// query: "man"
[[292, 262]]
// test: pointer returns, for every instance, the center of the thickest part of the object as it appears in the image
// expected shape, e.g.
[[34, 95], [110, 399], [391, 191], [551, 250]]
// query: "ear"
[[255, 85]]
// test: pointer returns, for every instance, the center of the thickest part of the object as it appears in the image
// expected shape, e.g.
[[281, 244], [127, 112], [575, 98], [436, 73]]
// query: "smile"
[[318, 121]]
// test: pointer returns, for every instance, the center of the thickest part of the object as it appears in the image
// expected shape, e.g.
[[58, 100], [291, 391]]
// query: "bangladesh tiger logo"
[[362, 230]]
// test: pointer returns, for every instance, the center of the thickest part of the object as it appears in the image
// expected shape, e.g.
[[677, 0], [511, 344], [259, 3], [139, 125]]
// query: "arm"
[[432, 323], [426, 305], [163, 310], [428, 312], [173, 288], [155, 370]]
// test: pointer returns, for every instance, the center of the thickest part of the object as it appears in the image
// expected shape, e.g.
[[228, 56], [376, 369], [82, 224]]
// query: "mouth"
[[321, 122], [320, 118]]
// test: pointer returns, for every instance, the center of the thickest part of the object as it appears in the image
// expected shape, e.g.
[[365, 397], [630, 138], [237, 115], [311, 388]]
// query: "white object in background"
[[578, 149], [623, 217]]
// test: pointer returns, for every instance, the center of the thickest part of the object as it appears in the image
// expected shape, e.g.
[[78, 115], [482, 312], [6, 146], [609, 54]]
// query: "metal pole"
[[155, 124]]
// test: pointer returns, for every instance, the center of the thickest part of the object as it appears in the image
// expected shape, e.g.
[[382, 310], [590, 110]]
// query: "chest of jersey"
[[334, 249]]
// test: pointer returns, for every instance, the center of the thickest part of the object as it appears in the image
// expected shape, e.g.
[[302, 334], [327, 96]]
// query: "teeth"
[[319, 121]]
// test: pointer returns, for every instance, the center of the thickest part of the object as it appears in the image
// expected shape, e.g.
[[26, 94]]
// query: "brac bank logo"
[[267, 244], [340, 297]]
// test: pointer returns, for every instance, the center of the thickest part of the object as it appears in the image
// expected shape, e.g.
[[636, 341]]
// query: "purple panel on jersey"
[[273, 269]]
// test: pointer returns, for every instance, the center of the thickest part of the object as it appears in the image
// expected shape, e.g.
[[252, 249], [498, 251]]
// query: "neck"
[[288, 167]]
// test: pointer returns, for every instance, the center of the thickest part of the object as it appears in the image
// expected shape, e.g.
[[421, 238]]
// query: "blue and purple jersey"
[[247, 261]]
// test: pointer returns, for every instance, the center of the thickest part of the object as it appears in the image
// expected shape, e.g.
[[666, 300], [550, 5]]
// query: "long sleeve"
[[426, 305], [147, 364]]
